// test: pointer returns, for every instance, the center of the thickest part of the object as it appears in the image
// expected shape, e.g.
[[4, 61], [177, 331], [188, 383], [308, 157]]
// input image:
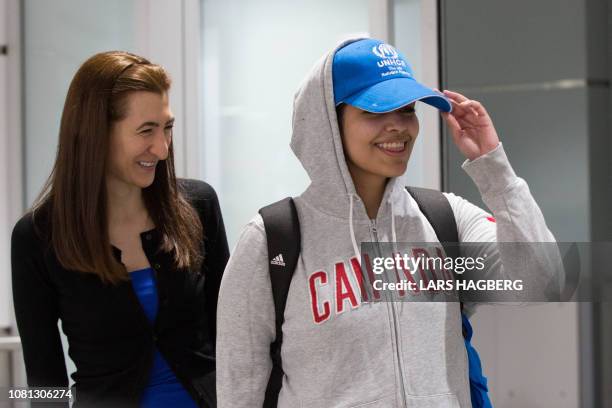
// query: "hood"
[[317, 144]]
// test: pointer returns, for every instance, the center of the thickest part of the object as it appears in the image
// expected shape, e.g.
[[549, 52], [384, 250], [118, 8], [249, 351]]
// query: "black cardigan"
[[110, 339]]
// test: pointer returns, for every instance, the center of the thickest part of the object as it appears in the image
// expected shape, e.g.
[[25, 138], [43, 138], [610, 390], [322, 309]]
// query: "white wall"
[[5, 216], [11, 197]]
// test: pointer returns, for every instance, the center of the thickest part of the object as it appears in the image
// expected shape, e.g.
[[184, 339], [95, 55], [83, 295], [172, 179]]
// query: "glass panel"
[[255, 55], [59, 35]]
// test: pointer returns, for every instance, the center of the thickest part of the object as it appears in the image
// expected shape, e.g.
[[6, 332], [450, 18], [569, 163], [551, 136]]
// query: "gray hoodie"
[[338, 352]]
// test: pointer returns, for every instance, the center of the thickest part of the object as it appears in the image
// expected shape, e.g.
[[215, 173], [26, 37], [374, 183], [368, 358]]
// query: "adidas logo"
[[278, 260]]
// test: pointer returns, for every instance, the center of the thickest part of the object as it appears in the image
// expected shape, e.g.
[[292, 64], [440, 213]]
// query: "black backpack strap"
[[436, 208], [283, 236]]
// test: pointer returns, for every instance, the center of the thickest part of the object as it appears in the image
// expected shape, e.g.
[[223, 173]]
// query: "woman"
[[354, 126], [127, 257]]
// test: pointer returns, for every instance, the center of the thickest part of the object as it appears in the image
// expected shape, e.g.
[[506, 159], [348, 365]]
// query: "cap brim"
[[395, 93]]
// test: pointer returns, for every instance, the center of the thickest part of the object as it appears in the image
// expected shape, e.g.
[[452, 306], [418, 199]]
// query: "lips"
[[147, 164], [395, 148]]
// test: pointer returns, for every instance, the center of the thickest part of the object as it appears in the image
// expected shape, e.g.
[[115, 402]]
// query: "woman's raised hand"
[[470, 125]]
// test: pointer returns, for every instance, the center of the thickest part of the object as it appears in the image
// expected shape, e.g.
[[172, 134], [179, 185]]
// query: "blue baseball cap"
[[375, 77]]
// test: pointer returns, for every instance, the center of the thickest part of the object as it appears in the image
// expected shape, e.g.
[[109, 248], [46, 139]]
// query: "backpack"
[[282, 228]]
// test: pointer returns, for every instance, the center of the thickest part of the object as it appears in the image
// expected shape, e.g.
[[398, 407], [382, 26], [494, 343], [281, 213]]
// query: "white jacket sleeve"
[[245, 322], [517, 219]]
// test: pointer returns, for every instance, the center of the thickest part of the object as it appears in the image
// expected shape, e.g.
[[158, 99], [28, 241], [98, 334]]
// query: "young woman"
[[354, 126], [126, 256]]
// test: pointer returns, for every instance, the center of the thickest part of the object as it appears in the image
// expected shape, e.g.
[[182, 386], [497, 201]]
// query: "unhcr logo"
[[384, 51], [389, 57]]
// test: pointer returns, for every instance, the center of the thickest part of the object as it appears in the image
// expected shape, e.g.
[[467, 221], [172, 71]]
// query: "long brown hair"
[[75, 196]]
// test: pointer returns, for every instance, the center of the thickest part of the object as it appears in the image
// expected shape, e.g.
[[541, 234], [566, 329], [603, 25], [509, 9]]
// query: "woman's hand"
[[470, 126]]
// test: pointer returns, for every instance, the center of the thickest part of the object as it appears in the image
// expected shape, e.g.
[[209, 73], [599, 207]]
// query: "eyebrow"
[[155, 124]]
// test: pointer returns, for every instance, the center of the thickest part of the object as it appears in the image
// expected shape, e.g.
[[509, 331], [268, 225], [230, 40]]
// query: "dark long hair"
[[75, 195]]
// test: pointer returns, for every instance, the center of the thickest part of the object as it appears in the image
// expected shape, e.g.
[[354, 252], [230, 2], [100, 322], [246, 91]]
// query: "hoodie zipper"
[[394, 319]]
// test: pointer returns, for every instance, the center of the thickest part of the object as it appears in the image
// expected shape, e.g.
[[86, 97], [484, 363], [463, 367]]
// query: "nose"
[[397, 121], [160, 144]]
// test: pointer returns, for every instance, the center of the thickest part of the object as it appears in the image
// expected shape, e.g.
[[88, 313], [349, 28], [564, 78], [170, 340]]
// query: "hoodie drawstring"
[[352, 230], [393, 234]]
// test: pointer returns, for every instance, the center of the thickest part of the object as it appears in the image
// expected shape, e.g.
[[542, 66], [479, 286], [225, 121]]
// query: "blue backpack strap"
[[282, 227], [436, 208], [478, 382]]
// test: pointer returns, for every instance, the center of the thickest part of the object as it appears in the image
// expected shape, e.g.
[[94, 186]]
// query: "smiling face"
[[140, 140], [378, 145]]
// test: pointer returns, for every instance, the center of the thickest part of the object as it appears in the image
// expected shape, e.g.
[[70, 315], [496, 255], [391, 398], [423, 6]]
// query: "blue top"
[[163, 388]]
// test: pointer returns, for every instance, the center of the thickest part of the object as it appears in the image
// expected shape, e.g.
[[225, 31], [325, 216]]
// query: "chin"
[[147, 183], [143, 182], [396, 171]]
